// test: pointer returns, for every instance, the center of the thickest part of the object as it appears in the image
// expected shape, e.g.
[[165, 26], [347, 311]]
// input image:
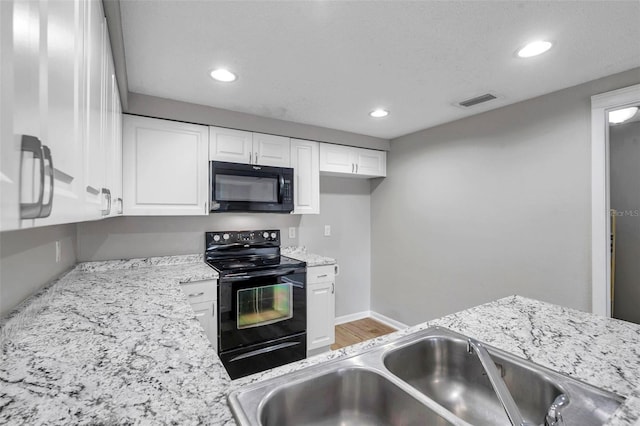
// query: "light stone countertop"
[[121, 345], [301, 253]]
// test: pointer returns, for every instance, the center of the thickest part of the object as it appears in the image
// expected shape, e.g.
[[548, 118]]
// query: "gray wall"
[[345, 205], [142, 236], [488, 206], [28, 261], [625, 198], [152, 106]]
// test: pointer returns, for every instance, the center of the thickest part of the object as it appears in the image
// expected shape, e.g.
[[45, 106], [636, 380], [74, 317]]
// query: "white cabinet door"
[[305, 160], [19, 111], [270, 150], [370, 163], [63, 114], [113, 142], [336, 159], [320, 314], [165, 167], [235, 146], [206, 315], [94, 152]]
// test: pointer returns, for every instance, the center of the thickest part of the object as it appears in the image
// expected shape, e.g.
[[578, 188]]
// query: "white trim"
[[352, 317], [388, 321], [600, 224], [371, 314]]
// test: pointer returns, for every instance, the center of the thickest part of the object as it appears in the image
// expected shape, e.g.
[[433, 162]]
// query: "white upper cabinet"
[[336, 159], [165, 167], [234, 146], [94, 161], [55, 61], [63, 115], [305, 160], [271, 150], [357, 162], [238, 146], [370, 163]]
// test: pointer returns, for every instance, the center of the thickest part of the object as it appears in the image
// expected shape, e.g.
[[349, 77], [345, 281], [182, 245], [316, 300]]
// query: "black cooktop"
[[230, 266]]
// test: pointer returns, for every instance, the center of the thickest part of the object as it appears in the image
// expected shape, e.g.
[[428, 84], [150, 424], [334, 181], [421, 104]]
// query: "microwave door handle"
[[281, 187]]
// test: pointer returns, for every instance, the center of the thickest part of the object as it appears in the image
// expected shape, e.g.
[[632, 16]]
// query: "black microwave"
[[250, 188]]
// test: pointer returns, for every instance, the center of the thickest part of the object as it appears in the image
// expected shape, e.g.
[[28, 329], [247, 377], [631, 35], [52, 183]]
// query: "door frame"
[[601, 104]]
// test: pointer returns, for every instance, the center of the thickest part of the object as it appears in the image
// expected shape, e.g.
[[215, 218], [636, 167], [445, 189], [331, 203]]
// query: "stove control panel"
[[244, 237]]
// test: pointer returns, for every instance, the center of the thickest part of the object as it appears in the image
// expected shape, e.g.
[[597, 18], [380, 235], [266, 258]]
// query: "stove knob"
[[225, 236], [216, 238], [273, 235], [265, 234]]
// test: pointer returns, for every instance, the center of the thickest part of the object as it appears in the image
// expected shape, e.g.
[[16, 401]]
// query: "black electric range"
[[261, 301]]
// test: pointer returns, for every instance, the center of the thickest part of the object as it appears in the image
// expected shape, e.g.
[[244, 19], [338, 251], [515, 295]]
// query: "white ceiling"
[[329, 63]]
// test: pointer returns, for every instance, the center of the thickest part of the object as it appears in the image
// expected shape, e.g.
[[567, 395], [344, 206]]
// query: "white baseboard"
[[352, 317], [371, 314], [388, 321]]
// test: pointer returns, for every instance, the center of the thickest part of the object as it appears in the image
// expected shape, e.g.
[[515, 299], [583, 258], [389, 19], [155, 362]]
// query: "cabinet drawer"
[[200, 291], [320, 274]]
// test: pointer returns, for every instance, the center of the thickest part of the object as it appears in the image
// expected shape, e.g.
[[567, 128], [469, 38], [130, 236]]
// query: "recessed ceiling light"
[[622, 115], [379, 113], [223, 75], [534, 48]]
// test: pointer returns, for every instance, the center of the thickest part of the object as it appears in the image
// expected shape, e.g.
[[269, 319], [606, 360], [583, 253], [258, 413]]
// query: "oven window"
[[264, 305], [246, 188]]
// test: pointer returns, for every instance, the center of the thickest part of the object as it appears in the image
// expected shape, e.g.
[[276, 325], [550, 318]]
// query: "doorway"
[[624, 199], [607, 264]]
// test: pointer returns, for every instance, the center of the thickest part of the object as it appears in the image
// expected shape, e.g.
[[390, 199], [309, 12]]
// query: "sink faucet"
[[499, 387], [553, 417]]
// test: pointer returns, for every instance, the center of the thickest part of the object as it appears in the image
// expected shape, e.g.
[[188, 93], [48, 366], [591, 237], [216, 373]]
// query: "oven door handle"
[[262, 274], [264, 350]]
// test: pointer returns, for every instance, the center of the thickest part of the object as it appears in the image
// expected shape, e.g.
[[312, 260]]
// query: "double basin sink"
[[433, 377]]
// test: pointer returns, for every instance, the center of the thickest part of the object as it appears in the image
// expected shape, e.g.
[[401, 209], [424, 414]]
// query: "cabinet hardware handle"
[[107, 193], [256, 158], [33, 145], [333, 288], [352, 168], [322, 276], [45, 211], [356, 167], [250, 157], [120, 205], [196, 294], [213, 309]]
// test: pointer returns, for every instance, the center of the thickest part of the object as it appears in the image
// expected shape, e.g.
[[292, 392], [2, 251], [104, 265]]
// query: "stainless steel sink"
[[433, 377], [348, 396], [446, 371]]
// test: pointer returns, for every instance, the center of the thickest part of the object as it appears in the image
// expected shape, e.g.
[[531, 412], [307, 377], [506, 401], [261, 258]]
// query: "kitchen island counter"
[[118, 343]]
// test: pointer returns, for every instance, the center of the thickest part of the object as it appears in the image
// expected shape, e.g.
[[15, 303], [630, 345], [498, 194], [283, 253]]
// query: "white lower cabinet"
[[165, 167], [202, 296], [321, 301]]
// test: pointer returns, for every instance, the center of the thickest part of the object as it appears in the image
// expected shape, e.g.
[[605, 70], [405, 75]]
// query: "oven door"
[[246, 187], [260, 306]]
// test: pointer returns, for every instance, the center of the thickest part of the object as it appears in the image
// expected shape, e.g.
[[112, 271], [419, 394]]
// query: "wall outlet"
[[292, 232], [57, 251], [327, 230]]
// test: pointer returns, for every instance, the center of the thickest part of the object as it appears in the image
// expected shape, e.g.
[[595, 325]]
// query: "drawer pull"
[[197, 294], [322, 276]]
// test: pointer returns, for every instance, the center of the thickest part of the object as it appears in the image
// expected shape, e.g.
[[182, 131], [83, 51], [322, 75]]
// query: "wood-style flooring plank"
[[358, 331]]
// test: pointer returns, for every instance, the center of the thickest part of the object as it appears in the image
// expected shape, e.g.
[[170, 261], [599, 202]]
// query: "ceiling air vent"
[[477, 100]]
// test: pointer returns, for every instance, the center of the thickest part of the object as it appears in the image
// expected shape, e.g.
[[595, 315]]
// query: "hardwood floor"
[[358, 331]]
